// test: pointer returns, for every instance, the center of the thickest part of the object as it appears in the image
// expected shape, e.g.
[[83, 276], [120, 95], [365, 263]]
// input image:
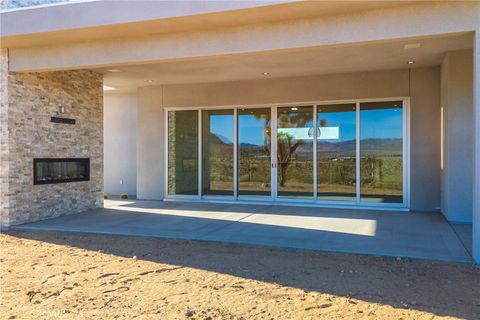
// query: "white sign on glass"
[[323, 133]]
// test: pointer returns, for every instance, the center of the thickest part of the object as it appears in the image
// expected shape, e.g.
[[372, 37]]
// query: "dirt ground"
[[73, 276]]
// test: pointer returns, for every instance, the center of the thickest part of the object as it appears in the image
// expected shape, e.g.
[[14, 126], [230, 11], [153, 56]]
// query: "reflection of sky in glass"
[[384, 124], [252, 130], [222, 126], [344, 120], [381, 123]]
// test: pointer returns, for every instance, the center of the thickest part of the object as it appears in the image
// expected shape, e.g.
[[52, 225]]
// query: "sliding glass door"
[[217, 152], [381, 152], [294, 152], [254, 152], [338, 153]]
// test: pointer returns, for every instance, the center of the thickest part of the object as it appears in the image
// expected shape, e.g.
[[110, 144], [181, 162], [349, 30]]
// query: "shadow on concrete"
[[397, 234], [438, 288]]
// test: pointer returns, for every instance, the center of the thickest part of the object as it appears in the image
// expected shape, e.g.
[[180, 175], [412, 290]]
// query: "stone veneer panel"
[[4, 163], [32, 99]]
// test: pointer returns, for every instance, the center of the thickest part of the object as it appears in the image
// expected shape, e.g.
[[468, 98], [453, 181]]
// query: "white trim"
[[218, 197], [267, 202], [273, 198]]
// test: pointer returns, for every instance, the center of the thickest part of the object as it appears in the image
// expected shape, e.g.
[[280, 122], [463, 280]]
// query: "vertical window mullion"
[[273, 154], [235, 153], [315, 152], [357, 153], [200, 169]]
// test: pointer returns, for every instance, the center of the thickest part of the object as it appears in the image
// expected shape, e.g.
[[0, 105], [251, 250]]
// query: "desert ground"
[[78, 276]]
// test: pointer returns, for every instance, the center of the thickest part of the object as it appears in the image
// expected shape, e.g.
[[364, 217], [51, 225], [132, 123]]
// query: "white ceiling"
[[288, 63]]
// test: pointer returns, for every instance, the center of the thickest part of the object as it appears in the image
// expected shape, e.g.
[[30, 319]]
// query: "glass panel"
[[336, 152], [254, 128], [217, 149], [183, 152], [381, 152], [295, 151]]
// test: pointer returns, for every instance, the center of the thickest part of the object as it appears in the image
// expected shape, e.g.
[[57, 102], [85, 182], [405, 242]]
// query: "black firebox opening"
[[60, 170]]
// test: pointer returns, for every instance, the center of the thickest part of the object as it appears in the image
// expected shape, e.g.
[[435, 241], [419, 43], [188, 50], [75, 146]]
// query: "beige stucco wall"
[[425, 139], [120, 143], [265, 91], [150, 145], [423, 85], [457, 103]]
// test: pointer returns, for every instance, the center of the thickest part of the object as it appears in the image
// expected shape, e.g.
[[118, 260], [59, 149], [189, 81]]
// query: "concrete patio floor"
[[398, 234]]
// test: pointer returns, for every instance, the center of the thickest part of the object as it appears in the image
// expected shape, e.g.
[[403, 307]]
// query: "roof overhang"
[[95, 20]]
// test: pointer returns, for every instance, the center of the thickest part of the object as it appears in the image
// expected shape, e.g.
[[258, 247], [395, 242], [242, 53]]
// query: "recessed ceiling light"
[[150, 81], [108, 88], [294, 108], [410, 61], [412, 45], [114, 70], [265, 73]]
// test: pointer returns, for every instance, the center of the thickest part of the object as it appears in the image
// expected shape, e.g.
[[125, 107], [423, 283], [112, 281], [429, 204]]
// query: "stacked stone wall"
[[4, 163], [27, 133]]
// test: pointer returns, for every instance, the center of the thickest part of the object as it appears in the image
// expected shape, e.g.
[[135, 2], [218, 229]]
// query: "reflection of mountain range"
[[223, 139], [381, 145], [377, 146], [251, 146], [219, 139]]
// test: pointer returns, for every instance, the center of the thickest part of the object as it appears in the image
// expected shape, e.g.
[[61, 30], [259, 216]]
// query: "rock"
[[134, 257]]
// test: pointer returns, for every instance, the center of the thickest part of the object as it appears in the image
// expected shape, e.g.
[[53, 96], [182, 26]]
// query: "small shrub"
[[123, 196], [105, 195]]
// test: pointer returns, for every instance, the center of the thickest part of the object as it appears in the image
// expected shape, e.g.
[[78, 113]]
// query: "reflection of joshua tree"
[[251, 168], [286, 149], [286, 142]]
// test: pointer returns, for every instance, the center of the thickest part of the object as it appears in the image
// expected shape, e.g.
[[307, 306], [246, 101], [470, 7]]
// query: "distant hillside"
[[375, 146]]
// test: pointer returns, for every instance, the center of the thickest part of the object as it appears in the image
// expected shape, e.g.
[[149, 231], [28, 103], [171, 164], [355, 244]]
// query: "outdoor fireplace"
[[60, 170]]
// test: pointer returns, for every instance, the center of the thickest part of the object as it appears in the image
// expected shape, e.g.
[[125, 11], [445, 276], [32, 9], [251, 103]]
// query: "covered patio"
[[192, 108], [388, 233]]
